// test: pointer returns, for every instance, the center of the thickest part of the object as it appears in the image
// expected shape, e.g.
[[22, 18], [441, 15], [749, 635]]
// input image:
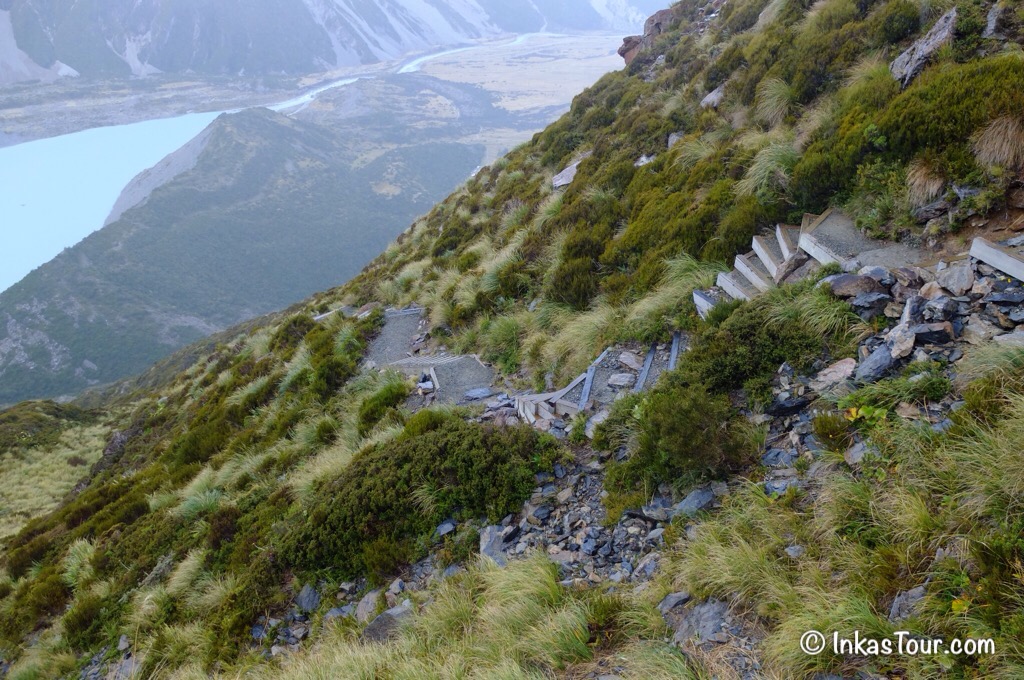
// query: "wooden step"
[[768, 251], [788, 238], [705, 300], [736, 286], [1003, 259], [751, 268]]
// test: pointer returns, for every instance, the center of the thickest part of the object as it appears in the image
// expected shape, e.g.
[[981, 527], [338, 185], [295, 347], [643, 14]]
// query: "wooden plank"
[[589, 384], [735, 289], [647, 368], [565, 409], [748, 269], [674, 357], [433, 378], [587, 387], [1000, 258], [767, 256]]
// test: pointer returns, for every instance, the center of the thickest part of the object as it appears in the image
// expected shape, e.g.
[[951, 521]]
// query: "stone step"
[[1003, 259], [736, 286], [750, 267], [769, 252], [788, 238]]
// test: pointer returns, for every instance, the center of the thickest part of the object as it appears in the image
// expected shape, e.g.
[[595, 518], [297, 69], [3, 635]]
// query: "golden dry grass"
[[32, 481]]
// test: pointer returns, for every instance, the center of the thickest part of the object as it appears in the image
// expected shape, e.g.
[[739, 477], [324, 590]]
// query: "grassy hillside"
[[274, 462]]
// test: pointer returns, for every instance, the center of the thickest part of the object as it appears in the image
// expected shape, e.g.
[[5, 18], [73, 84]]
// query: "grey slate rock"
[[702, 623], [905, 604], [672, 601], [339, 613], [788, 407], [387, 626], [478, 394], [908, 65], [778, 487], [491, 542], [445, 528], [779, 457], [957, 279], [695, 501], [308, 599], [875, 366]]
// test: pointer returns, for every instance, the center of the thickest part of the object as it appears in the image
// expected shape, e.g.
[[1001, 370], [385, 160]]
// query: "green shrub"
[[399, 491], [83, 622], [376, 406], [685, 434], [897, 20]]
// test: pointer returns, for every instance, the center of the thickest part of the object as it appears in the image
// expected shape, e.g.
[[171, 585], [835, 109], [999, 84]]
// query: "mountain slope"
[[233, 37], [252, 494]]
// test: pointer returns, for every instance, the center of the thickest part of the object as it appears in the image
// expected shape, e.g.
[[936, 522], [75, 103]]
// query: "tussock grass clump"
[[775, 98], [516, 622], [1001, 143], [769, 172], [924, 182], [78, 569]]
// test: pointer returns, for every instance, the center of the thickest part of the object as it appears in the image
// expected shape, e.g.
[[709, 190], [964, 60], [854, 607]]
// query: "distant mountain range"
[[48, 39]]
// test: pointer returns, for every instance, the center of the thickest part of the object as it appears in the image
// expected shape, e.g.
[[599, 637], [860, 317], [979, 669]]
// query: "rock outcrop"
[[657, 24], [908, 65]]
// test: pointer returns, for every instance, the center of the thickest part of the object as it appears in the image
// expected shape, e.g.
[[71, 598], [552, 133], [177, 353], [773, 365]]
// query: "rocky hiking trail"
[[929, 314]]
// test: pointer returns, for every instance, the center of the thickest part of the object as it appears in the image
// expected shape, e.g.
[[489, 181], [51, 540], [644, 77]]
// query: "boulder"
[[908, 65], [932, 290], [909, 277], [566, 176], [479, 394], [875, 366], [701, 624], [978, 331], [852, 285], [787, 407], [491, 541], [940, 309], [779, 458], [655, 25], [901, 341], [713, 98], [672, 601], [934, 333], [308, 599], [367, 606], [630, 360], [1015, 339], [339, 613], [957, 279], [880, 274], [931, 211], [387, 626]]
